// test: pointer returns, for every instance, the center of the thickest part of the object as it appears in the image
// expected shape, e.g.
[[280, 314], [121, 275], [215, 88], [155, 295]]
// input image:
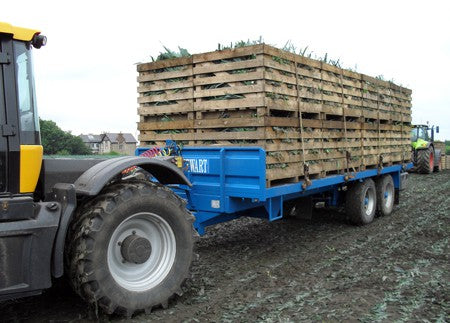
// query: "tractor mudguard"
[[92, 181], [65, 195]]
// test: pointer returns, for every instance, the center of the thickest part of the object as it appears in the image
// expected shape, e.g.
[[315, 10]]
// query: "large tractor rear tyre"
[[425, 160], [130, 248], [385, 195], [361, 202]]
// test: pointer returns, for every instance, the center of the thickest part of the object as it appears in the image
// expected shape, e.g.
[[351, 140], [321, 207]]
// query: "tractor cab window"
[[423, 134], [26, 97], [420, 133], [414, 134]]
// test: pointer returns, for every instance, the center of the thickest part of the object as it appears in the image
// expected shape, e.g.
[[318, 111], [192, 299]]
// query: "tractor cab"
[[420, 132], [422, 136], [20, 143]]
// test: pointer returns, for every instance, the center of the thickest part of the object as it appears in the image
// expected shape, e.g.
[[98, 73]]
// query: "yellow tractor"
[[125, 243]]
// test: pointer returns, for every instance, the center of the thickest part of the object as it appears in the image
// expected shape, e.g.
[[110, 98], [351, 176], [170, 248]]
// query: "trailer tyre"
[[385, 195], [130, 248], [361, 201]]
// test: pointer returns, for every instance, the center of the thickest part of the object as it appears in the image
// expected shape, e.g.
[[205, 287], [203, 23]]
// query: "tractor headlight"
[[424, 144]]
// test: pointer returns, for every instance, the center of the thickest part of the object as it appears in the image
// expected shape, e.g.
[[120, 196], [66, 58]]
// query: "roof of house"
[[90, 138], [114, 137]]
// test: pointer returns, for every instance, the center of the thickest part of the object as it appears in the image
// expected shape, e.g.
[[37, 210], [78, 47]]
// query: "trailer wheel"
[[130, 248], [361, 201], [425, 160], [385, 195]]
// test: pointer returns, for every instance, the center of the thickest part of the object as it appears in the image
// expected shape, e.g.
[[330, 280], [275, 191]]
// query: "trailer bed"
[[229, 182]]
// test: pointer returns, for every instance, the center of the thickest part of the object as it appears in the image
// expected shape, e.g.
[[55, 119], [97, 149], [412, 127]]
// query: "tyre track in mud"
[[263, 296]]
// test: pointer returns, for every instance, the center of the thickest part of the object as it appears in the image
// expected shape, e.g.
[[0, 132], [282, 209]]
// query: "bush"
[[59, 142]]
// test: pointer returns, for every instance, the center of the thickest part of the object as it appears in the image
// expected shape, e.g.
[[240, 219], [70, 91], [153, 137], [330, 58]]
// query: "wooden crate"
[[298, 109], [166, 92], [445, 163]]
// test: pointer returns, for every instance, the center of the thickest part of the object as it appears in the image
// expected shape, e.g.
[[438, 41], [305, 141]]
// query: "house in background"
[[122, 143], [92, 141]]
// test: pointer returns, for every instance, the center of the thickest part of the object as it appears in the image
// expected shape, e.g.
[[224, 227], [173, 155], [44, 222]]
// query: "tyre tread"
[[423, 161]]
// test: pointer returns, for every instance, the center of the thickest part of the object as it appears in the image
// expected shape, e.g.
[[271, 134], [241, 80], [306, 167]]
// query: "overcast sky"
[[86, 75]]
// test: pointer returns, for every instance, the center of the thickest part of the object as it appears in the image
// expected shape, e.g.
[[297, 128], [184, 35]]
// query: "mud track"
[[397, 268]]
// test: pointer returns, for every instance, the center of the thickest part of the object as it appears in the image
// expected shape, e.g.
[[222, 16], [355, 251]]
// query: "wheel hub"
[[136, 249], [141, 251]]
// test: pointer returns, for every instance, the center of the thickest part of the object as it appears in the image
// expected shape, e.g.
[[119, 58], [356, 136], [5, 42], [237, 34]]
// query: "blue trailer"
[[230, 182]]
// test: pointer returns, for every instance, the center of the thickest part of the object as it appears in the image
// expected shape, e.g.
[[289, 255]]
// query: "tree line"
[[59, 142]]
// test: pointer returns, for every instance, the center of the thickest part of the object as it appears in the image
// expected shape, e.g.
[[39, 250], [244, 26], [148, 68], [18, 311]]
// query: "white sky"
[[86, 77]]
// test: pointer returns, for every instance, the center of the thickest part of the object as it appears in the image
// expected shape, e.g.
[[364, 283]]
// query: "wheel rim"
[[431, 160], [388, 195], [154, 268], [369, 201]]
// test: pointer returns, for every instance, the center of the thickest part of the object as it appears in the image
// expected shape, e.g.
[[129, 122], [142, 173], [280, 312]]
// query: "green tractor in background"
[[425, 157]]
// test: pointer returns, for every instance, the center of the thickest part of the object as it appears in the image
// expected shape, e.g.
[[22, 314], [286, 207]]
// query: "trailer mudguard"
[[92, 181]]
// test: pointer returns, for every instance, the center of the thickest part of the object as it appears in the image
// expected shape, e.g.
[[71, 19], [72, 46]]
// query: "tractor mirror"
[[437, 129]]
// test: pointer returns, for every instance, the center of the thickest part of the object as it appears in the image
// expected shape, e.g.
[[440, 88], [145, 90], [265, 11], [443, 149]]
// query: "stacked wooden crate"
[[301, 111], [445, 160]]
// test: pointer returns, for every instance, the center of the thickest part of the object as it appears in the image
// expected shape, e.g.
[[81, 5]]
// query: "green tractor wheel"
[[425, 160]]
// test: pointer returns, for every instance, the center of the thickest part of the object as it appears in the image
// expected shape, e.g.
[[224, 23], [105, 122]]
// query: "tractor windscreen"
[[421, 132], [26, 97]]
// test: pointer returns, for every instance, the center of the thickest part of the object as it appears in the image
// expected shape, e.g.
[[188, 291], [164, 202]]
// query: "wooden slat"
[[166, 125], [271, 63], [213, 68], [164, 64], [251, 76], [167, 97], [228, 53], [161, 86], [165, 75], [228, 104], [229, 122], [229, 90], [182, 107]]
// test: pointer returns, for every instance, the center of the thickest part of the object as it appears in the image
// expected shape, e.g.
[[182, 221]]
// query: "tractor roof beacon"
[[140, 233]]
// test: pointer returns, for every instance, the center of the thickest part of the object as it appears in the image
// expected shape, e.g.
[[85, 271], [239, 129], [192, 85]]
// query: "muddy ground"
[[397, 268]]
